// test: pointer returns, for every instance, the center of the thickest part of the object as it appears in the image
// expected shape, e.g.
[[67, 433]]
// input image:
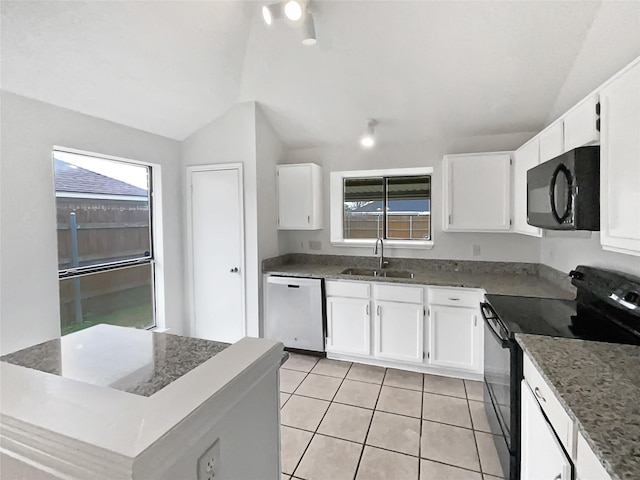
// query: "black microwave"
[[564, 193]]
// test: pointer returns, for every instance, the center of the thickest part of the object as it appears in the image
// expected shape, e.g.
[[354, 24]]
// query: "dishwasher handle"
[[293, 282]]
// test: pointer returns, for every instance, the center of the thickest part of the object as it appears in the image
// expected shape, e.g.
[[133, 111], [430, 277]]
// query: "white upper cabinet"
[[299, 197], [524, 158], [580, 124], [620, 163], [478, 192], [552, 141]]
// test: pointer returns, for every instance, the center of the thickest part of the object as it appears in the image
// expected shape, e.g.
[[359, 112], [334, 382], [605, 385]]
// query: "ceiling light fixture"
[[368, 139], [293, 10], [309, 30], [271, 12]]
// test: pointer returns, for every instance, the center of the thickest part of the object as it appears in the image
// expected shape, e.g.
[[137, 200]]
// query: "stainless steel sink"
[[370, 272], [398, 274], [363, 272]]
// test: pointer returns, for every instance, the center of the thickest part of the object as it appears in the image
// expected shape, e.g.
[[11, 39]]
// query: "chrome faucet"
[[383, 262]]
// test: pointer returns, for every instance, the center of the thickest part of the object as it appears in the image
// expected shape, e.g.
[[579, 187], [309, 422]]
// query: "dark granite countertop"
[[502, 278], [598, 384], [134, 361]]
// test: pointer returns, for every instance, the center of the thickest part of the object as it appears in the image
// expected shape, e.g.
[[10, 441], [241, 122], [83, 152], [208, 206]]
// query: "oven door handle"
[[486, 311]]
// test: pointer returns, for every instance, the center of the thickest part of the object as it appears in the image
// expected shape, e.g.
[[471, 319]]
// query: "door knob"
[[234, 270]]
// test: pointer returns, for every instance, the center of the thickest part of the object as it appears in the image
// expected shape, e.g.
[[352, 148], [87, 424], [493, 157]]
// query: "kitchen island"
[[119, 403]]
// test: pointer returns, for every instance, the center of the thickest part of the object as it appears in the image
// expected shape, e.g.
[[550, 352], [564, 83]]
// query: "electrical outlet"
[[209, 463], [476, 250]]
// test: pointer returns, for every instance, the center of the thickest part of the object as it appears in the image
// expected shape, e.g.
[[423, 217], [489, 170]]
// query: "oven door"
[[497, 370], [550, 194]]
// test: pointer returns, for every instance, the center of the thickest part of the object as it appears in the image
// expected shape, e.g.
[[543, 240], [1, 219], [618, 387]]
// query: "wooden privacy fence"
[[107, 229], [399, 226]]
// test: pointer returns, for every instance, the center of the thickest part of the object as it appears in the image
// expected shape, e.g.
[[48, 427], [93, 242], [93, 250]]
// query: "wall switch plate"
[[476, 250], [209, 463]]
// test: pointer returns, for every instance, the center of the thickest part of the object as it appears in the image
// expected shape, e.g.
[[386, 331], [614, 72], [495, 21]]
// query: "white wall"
[[563, 251], [29, 275], [232, 139], [612, 42], [269, 153], [493, 246]]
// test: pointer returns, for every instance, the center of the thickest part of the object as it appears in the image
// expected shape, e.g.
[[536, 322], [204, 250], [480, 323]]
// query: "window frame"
[[155, 258], [336, 194]]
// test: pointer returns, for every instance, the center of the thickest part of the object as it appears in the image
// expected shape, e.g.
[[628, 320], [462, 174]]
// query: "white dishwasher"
[[295, 312]]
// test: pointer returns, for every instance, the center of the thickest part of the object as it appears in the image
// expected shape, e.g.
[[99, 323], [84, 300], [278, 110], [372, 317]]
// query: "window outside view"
[[397, 208], [105, 250]]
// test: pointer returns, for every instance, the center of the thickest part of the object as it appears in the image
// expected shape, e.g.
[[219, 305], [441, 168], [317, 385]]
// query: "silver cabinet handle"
[[378, 310], [308, 218], [539, 395], [367, 309], [455, 299]]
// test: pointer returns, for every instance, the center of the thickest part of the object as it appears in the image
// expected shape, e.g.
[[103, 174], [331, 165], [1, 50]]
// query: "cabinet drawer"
[[398, 293], [556, 414], [587, 464], [348, 289], [455, 297]]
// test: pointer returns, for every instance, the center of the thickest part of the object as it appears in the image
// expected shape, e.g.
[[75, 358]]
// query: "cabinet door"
[[300, 197], [580, 125], [542, 454], [399, 331], [552, 141], [620, 163], [348, 325], [478, 192], [524, 158], [454, 338]]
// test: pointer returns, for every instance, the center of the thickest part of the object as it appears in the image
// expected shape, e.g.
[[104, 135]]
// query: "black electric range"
[[606, 309]]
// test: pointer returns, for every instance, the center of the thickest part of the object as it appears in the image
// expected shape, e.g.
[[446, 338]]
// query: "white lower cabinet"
[[399, 331], [453, 338], [348, 326], [387, 324], [542, 454]]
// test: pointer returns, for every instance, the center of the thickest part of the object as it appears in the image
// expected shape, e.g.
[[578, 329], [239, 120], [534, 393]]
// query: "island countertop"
[[105, 408], [598, 384], [500, 278]]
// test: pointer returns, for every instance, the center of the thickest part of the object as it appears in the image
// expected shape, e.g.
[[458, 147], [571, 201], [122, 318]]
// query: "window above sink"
[[392, 204]]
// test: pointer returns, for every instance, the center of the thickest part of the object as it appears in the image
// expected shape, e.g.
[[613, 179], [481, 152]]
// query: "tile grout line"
[[475, 440], [315, 432], [388, 450], [421, 423], [422, 420], [364, 441]]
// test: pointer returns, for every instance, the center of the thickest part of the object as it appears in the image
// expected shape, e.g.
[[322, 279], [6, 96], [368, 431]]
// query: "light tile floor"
[[351, 421]]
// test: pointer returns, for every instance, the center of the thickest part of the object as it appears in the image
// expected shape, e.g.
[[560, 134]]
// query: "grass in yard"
[[137, 316]]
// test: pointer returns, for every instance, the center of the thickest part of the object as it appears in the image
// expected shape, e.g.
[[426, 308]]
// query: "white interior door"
[[217, 253]]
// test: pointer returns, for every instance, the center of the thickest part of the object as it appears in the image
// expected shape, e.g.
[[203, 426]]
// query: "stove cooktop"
[[557, 318]]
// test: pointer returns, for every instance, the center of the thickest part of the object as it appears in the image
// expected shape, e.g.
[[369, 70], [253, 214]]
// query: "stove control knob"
[[632, 297]]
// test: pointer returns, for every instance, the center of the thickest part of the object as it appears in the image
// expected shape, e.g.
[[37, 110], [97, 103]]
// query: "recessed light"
[[293, 10], [270, 12], [309, 30], [368, 139]]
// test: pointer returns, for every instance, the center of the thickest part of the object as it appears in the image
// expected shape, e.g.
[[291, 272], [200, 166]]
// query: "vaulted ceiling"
[[422, 68]]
